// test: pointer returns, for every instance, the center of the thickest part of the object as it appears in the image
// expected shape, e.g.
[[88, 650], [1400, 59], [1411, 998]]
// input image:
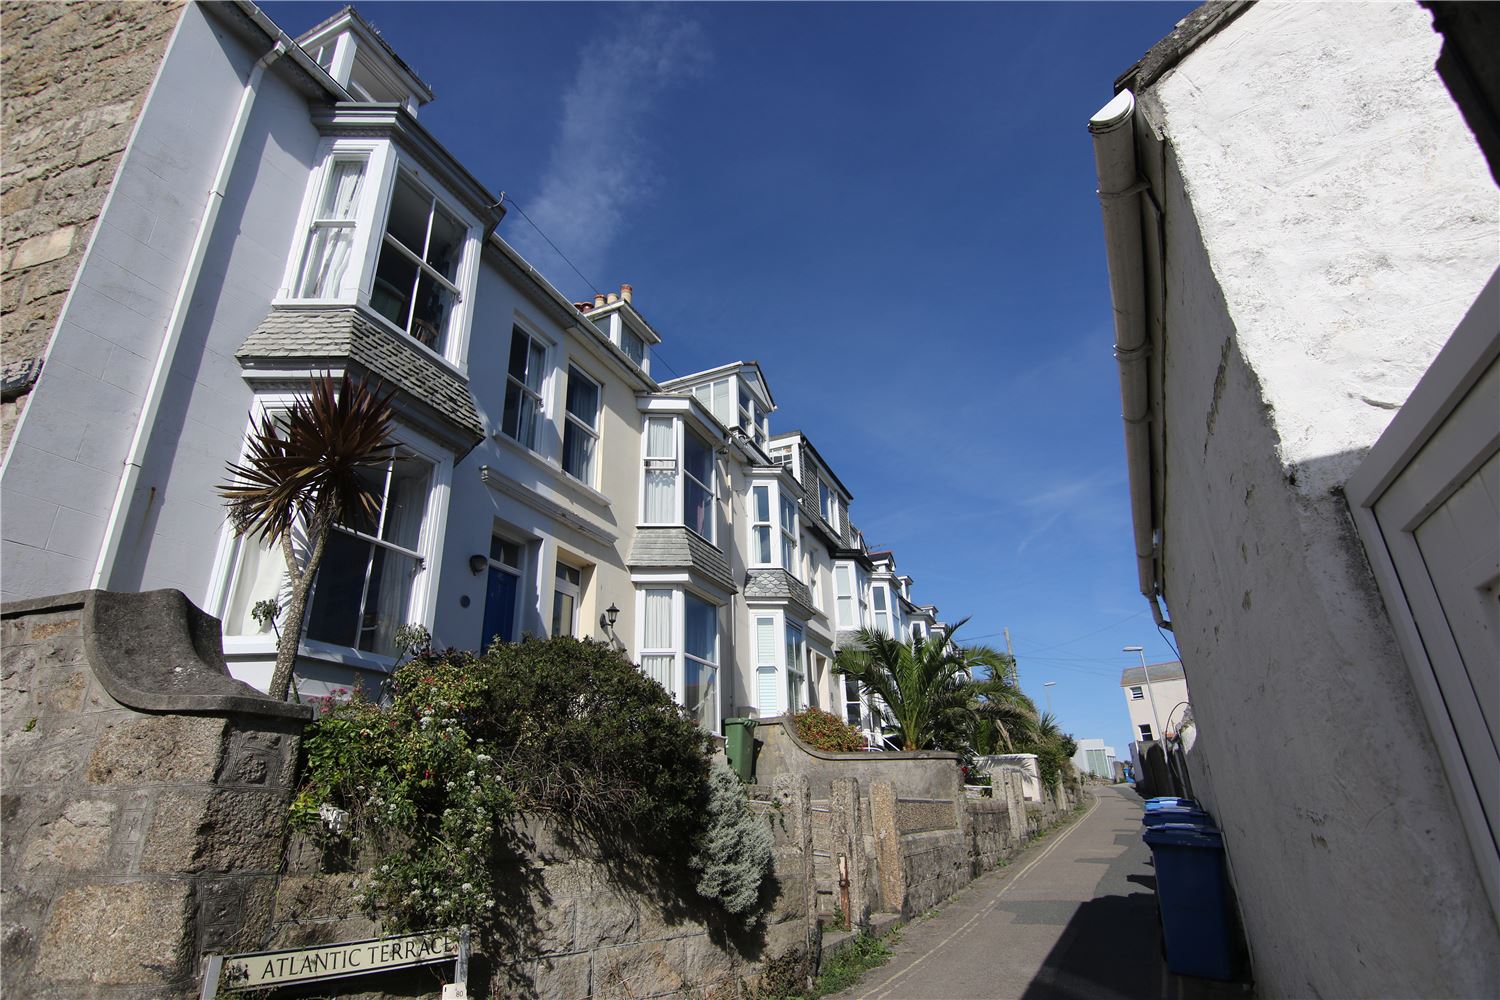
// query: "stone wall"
[[581, 920], [73, 79], [144, 797]]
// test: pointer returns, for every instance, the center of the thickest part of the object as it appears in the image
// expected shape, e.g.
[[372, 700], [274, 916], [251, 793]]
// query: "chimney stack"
[[626, 292], [598, 299]]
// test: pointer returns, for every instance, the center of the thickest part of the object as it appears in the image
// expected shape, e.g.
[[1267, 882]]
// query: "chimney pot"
[[598, 299], [626, 292], [612, 298]]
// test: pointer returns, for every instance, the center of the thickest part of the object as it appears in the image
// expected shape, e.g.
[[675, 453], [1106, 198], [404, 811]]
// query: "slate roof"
[[1169, 671], [778, 584], [679, 548], [311, 337]]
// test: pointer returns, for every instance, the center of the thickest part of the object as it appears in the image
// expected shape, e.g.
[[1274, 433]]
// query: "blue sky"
[[891, 208]]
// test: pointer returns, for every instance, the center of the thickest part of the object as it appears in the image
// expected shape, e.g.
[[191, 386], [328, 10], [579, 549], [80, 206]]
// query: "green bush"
[[559, 727], [827, 732]]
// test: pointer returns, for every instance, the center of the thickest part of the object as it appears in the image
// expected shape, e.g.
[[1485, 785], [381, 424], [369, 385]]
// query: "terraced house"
[[278, 211]]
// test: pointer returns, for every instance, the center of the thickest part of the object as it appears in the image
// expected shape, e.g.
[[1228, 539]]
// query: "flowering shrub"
[[827, 732], [561, 727]]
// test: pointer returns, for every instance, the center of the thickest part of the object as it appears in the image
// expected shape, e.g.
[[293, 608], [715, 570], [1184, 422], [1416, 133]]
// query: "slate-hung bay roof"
[[314, 338], [679, 548], [778, 584], [1169, 671]]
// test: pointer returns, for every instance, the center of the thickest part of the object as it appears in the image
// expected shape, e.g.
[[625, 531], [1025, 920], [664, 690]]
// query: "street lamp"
[[1047, 691], [1155, 719]]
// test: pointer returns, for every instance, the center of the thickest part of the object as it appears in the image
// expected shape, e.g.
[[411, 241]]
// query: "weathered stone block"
[[166, 748], [633, 971], [124, 935], [562, 977], [58, 758], [75, 841], [233, 913], [605, 921], [173, 843], [318, 897]]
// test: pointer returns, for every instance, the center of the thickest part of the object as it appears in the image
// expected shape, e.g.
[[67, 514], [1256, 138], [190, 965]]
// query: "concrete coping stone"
[[883, 755], [158, 652]]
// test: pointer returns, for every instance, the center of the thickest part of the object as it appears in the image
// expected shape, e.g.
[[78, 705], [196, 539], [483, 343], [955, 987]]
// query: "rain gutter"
[[1120, 188]]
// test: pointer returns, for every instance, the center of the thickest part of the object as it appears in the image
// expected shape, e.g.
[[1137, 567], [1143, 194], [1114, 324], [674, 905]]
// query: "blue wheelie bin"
[[1189, 815], [1167, 801], [1193, 896]]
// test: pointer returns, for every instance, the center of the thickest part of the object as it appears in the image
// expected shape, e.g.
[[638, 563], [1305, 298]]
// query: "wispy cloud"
[[1087, 501], [602, 168]]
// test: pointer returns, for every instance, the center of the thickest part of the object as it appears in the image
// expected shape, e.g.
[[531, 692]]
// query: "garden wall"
[[144, 799]]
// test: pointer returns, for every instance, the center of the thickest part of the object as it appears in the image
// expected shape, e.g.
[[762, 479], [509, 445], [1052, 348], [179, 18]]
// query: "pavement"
[[1073, 917]]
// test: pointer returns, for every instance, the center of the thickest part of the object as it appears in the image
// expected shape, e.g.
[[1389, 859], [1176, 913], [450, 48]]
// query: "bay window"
[[882, 613], [523, 388], [715, 396], [330, 239], [700, 649], [843, 583], [796, 671], [363, 590], [688, 670], [789, 534], [760, 528], [659, 504], [767, 701], [581, 427], [416, 274], [698, 485]]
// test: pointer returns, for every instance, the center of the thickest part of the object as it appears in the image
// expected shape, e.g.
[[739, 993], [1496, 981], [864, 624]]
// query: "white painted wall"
[[1328, 220]]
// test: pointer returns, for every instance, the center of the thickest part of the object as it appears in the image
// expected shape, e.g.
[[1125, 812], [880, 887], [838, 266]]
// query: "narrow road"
[[1072, 918]]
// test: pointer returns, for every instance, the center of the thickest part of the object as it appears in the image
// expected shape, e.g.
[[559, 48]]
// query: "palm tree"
[[301, 473], [1003, 714], [927, 688]]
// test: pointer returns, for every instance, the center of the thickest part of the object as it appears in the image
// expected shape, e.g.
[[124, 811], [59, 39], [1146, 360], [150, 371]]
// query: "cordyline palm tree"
[[301, 471], [927, 688]]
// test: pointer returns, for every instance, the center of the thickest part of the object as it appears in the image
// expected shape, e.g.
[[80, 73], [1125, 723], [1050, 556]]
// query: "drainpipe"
[[1120, 187], [115, 529]]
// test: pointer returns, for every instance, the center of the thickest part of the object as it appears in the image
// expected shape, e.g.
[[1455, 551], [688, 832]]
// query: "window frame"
[[758, 525], [435, 201], [383, 161], [1144, 732], [1137, 692], [676, 650], [846, 570], [422, 601], [791, 541], [563, 586], [712, 486], [879, 593], [673, 464], [795, 674], [828, 504], [571, 421], [540, 396]]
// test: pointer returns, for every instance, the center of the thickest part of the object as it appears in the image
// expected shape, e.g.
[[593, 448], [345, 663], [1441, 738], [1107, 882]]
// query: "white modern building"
[[1156, 697], [1301, 232], [279, 211], [1093, 757]]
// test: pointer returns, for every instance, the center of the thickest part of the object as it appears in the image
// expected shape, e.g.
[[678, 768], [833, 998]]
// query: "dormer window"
[[828, 504], [752, 416], [634, 347]]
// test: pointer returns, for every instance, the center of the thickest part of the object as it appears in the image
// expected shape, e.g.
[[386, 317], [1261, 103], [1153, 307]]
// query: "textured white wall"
[[1328, 221]]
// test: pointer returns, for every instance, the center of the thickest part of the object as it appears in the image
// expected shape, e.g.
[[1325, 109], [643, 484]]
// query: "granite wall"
[[144, 797]]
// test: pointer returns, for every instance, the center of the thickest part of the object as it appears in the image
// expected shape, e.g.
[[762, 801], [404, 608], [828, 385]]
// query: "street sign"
[[266, 969]]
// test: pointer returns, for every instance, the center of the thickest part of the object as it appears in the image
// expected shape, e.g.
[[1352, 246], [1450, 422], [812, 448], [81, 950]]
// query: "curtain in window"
[[330, 246], [661, 471], [578, 443], [403, 526]]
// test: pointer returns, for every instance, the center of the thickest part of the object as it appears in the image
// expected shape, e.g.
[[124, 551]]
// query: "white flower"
[[467, 887]]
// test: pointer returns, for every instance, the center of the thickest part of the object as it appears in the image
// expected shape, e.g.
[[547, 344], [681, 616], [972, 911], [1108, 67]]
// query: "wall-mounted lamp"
[[477, 563], [608, 618]]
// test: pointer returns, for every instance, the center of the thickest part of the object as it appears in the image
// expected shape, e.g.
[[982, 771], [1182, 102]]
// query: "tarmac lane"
[[1072, 918]]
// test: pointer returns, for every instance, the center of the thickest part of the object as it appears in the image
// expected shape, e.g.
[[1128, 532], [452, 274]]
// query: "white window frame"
[[759, 525], [1144, 731], [879, 593], [420, 608], [563, 586], [382, 162], [541, 397], [571, 421], [712, 537], [790, 532], [435, 199], [662, 463], [676, 651], [794, 673], [844, 578], [828, 504], [1137, 693]]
